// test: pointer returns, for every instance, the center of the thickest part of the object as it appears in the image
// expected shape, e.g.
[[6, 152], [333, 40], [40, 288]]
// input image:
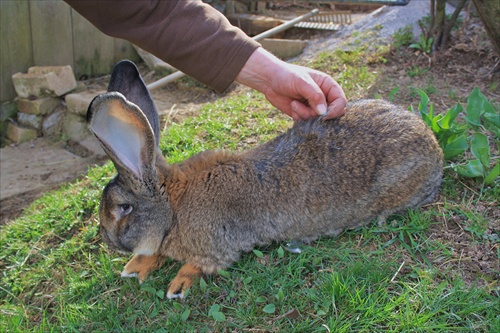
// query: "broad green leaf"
[[447, 121], [148, 289], [455, 147], [218, 316], [415, 46], [161, 294], [491, 114], [185, 314], [178, 306], [474, 107], [260, 299], [493, 118], [280, 296], [258, 253], [480, 148], [203, 285], [281, 252], [424, 101], [270, 308], [213, 308], [494, 174], [472, 169], [223, 273]]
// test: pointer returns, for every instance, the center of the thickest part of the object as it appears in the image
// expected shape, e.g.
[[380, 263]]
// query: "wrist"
[[256, 71]]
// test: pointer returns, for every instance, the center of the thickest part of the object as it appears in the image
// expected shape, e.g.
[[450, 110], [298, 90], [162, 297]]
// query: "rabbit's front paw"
[[141, 265], [183, 280]]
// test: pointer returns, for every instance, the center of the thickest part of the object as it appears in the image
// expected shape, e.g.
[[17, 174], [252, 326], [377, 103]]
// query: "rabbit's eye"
[[125, 209]]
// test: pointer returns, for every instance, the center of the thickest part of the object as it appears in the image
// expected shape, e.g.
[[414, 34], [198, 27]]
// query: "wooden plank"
[[15, 44], [51, 32], [93, 50], [125, 50]]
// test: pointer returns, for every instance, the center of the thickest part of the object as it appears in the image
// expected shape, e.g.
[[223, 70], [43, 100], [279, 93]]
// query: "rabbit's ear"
[[125, 135], [127, 80]]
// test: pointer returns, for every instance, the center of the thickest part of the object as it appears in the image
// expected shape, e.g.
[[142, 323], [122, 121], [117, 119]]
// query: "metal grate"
[[327, 21]]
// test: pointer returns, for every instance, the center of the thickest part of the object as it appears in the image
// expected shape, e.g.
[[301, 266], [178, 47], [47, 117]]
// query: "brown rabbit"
[[319, 178]]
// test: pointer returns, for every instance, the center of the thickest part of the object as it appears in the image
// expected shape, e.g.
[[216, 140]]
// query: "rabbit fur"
[[319, 178]]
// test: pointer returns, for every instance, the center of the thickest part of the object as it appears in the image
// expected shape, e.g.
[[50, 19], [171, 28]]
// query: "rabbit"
[[319, 178]]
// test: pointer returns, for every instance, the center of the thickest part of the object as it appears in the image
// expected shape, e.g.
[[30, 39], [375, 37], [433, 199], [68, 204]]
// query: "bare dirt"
[[447, 77]]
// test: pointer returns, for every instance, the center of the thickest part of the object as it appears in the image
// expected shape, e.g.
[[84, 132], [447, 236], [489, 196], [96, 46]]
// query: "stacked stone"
[[50, 105]]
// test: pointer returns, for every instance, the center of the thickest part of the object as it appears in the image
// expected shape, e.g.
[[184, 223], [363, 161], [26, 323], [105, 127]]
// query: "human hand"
[[300, 92]]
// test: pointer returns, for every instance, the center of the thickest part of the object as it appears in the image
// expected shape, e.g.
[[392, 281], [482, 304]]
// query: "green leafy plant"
[[424, 44], [458, 138], [403, 37]]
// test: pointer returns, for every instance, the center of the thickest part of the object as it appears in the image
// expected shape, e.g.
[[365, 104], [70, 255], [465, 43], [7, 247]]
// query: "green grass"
[[57, 276]]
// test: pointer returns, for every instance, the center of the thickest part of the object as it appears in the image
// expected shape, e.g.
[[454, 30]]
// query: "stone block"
[[43, 81], [75, 127], [41, 106], [29, 120], [19, 134], [284, 48], [52, 125], [79, 103]]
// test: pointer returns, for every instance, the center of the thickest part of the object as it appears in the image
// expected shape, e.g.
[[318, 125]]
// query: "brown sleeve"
[[189, 35]]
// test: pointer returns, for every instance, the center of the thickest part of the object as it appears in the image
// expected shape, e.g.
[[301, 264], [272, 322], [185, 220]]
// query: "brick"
[[41, 106], [44, 81], [79, 103], [19, 134]]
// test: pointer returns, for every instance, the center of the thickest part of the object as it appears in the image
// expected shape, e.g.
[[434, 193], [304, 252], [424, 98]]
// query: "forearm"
[[176, 31]]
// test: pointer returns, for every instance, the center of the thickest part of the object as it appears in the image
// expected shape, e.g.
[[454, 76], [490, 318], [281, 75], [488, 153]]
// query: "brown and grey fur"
[[319, 178]]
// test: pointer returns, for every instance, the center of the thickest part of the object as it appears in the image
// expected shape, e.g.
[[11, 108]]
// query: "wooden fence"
[[50, 33]]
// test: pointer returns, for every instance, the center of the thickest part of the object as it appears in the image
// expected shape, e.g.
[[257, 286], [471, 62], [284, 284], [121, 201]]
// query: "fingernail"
[[321, 109]]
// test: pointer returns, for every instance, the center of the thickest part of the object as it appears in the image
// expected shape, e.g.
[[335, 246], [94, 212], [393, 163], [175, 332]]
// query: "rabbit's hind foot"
[[140, 266], [183, 280]]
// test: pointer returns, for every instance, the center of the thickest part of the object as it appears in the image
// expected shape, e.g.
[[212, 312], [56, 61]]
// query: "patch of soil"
[[447, 77]]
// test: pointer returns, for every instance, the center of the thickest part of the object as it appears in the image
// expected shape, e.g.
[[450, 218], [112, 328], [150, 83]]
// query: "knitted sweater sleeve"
[[188, 34]]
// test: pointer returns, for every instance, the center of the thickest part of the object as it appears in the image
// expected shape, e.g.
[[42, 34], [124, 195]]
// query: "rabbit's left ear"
[[127, 80], [125, 135]]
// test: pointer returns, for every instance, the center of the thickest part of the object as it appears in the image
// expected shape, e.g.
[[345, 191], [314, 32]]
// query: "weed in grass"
[[417, 71], [402, 37]]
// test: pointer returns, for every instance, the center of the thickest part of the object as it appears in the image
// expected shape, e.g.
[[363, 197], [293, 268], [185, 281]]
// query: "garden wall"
[[51, 33]]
